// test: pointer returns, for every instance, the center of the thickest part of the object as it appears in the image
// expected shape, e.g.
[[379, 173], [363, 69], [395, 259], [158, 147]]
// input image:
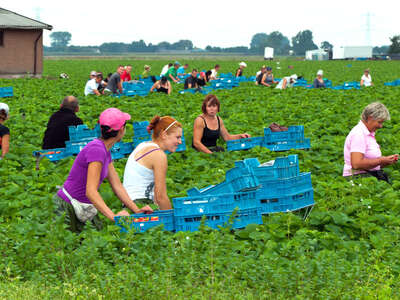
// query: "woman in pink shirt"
[[362, 154]]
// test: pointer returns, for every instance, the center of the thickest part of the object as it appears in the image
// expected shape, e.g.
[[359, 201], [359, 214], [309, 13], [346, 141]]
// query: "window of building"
[[1, 38]]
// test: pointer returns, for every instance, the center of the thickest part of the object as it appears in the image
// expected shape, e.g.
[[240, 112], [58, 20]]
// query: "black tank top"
[[240, 72], [210, 136], [162, 90]]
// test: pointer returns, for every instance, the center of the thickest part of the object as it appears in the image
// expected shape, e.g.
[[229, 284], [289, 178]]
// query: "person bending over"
[[79, 197], [4, 131], [208, 127], [146, 168], [191, 81], [162, 86]]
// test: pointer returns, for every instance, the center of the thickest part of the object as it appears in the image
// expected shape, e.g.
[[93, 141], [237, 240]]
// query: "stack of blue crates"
[[393, 83], [139, 88], [293, 138], [252, 188], [6, 92]]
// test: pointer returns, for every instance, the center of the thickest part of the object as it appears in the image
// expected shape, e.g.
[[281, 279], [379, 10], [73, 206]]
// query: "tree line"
[[298, 45]]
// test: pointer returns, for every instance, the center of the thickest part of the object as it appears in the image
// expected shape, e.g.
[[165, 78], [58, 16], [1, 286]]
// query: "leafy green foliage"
[[347, 249]]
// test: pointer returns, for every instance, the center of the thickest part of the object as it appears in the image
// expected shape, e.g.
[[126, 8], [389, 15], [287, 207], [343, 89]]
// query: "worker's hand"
[[146, 209], [389, 160], [244, 135], [123, 213]]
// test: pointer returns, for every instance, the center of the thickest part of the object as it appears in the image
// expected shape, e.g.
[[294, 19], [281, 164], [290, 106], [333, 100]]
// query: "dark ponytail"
[[106, 133], [3, 114]]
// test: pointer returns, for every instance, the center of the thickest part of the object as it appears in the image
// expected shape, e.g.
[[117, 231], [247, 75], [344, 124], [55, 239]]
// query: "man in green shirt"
[[172, 73]]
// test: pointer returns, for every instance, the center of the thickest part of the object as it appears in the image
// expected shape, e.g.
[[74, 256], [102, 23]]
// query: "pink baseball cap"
[[114, 118]]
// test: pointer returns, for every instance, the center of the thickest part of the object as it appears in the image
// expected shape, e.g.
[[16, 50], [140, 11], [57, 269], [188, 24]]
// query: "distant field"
[[349, 248]]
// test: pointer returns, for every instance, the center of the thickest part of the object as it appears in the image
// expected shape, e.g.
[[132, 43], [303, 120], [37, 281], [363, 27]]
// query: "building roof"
[[9, 19]]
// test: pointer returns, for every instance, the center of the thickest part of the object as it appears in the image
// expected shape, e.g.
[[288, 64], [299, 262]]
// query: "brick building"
[[21, 45]]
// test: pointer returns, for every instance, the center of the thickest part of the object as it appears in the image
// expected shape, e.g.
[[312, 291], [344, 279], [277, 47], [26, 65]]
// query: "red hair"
[[159, 124]]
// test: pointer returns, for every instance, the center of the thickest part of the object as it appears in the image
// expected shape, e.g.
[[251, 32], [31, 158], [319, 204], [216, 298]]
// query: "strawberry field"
[[348, 248]]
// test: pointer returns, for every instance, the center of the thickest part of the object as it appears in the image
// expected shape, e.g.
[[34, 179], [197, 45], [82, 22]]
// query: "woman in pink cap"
[[79, 197]]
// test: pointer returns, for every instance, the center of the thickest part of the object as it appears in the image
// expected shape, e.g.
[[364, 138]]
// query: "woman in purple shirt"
[[79, 197]]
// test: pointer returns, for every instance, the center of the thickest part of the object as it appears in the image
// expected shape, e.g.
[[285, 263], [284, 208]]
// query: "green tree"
[[258, 42], [395, 46], [326, 45], [60, 38], [182, 45], [279, 42], [302, 42]]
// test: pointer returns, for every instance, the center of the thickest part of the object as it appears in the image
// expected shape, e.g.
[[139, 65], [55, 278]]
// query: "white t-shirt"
[[213, 73], [139, 180], [367, 80], [288, 84], [164, 70], [90, 86]]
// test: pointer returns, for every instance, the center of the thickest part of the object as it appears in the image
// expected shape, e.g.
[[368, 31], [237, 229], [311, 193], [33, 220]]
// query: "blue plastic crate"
[[140, 128], [288, 145], [241, 220], [143, 222], [74, 147], [286, 203], [55, 154], [80, 132], [244, 144], [6, 92], [209, 204], [280, 168], [272, 188], [293, 133]]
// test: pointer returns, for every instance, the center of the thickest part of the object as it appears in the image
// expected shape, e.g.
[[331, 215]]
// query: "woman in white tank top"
[[146, 168]]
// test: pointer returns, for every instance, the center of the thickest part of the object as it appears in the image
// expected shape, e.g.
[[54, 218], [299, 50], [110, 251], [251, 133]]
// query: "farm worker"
[[4, 131], [114, 84], [208, 127], [79, 197], [191, 81], [362, 154], [269, 79], [319, 81], [126, 74], [146, 168], [366, 79], [202, 79], [213, 73], [260, 75], [165, 69], [239, 72], [182, 70], [57, 128], [172, 73], [287, 81], [92, 86], [146, 72], [162, 86]]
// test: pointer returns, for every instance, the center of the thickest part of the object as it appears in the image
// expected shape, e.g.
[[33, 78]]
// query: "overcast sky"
[[212, 22]]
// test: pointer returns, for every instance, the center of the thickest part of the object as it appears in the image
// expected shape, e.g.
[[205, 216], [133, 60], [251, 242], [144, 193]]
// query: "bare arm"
[[226, 136], [93, 177], [359, 162], [284, 83], [173, 78], [96, 92], [154, 86], [169, 87], [120, 86], [5, 145], [198, 129], [160, 167], [121, 193], [237, 73], [263, 81]]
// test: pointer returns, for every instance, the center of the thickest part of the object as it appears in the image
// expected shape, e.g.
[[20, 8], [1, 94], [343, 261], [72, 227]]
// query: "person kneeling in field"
[[286, 82], [146, 168], [92, 86], [208, 127], [79, 197], [362, 154], [162, 86], [57, 128]]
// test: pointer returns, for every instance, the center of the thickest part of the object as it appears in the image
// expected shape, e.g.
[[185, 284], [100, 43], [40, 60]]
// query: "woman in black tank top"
[[208, 127], [162, 86]]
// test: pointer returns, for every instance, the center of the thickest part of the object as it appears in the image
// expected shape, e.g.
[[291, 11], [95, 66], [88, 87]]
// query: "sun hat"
[[5, 107], [320, 72], [113, 118], [93, 73], [147, 67], [243, 64], [366, 70]]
